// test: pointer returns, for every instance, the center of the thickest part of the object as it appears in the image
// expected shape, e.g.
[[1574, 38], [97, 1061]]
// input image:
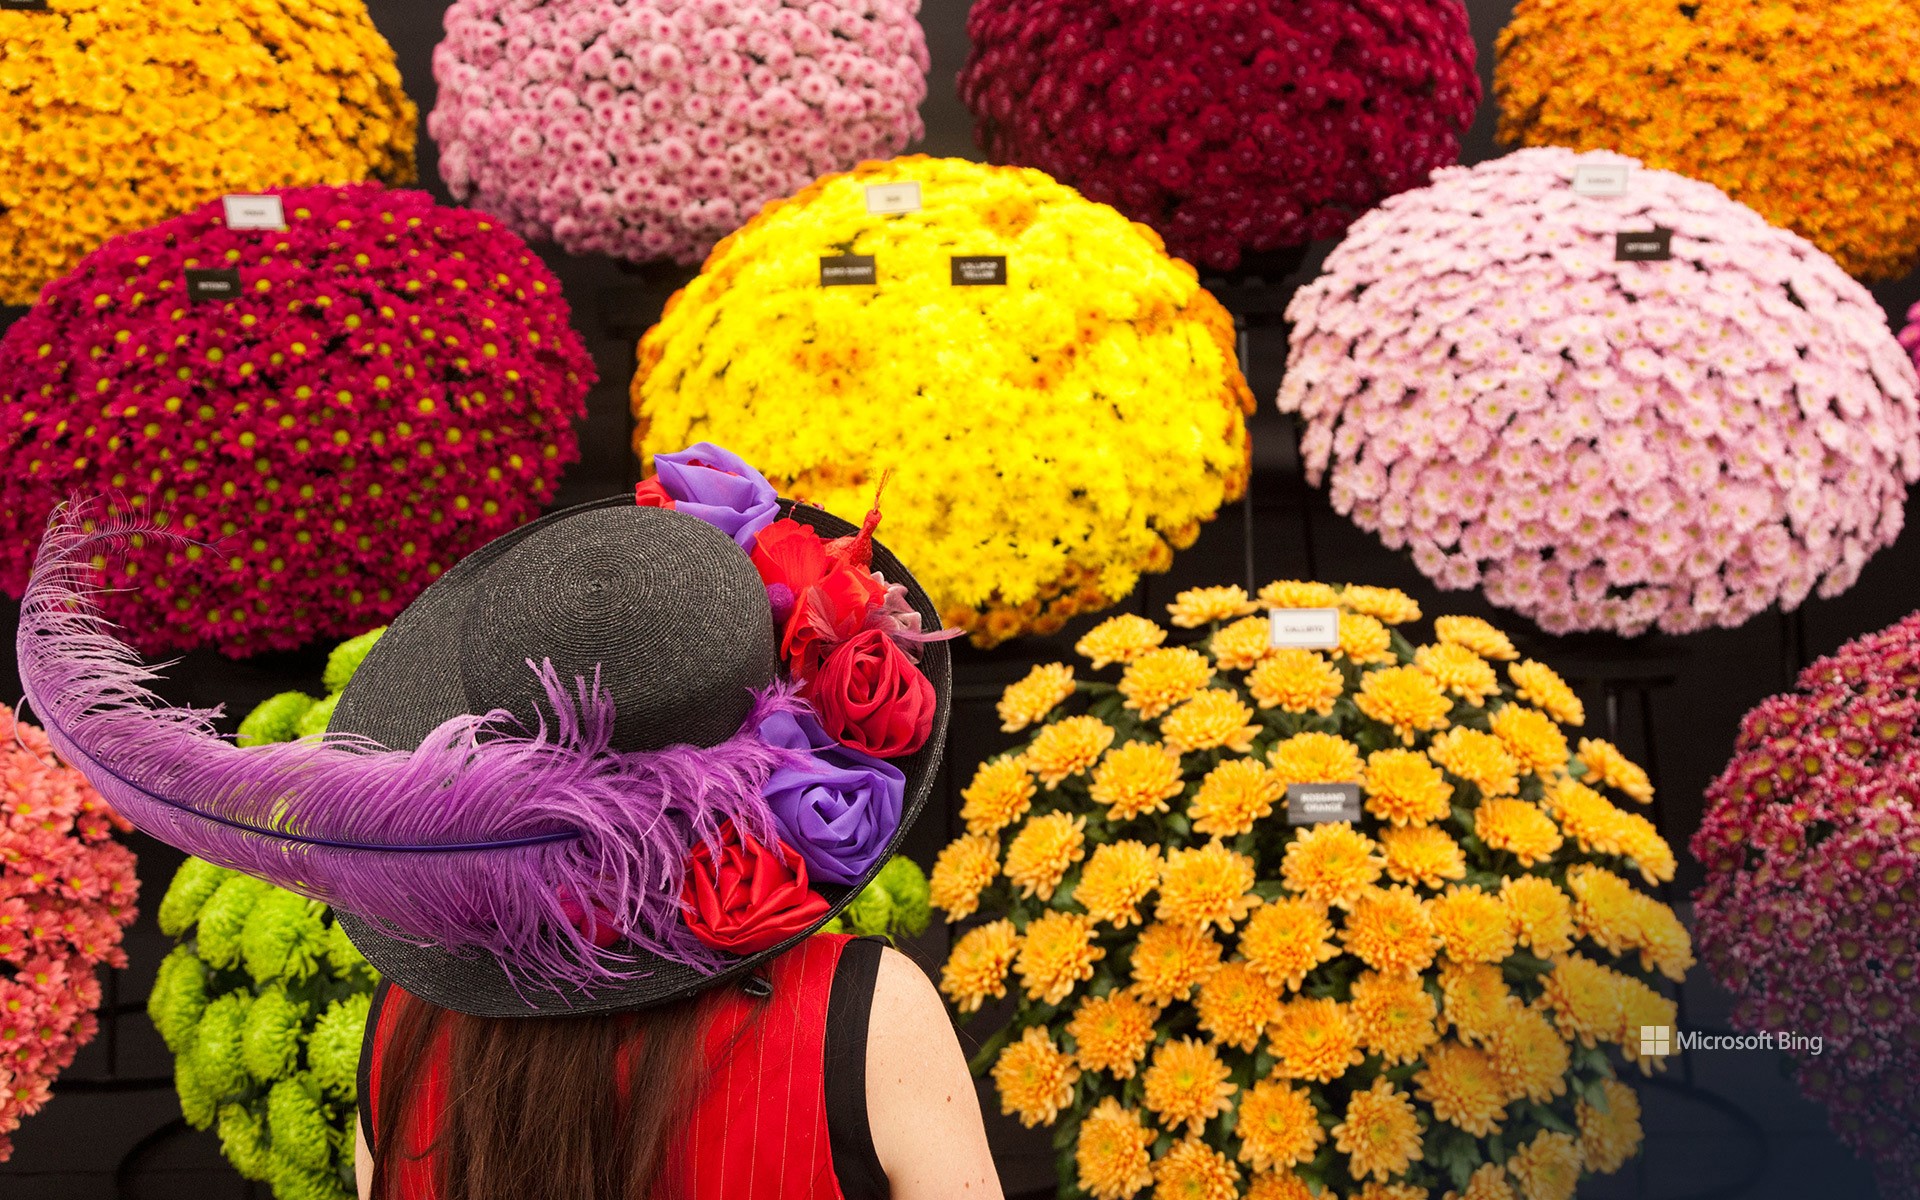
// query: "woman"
[[586, 806]]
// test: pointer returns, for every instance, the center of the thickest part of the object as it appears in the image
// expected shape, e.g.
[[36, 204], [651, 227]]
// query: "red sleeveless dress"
[[766, 1126]]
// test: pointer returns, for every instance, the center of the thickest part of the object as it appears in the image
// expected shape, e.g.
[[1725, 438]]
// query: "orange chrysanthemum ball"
[[1800, 109], [1214, 1001]]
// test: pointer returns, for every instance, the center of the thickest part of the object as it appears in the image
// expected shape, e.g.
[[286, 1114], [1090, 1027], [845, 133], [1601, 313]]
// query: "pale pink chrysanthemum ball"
[[1603, 444], [649, 130]]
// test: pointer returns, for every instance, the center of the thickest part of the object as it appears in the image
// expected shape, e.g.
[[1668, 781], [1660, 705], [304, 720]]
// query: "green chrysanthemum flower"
[[871, 912], [274, 719], [334, 1050], [292, 1181], [192, 886], [243, 1139], [276, 1025], [284, 938], [906, 885], [216, 1046], [224, 915], [179, 998], [314, 721], [345, 957], [298, 1121], [346, 659], [198, 1103]]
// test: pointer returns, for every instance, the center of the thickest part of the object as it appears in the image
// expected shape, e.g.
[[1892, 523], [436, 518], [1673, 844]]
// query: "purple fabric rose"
[[839, 810], [720, 488]]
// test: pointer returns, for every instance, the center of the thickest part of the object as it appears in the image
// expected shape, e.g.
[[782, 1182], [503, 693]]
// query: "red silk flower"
[[750, 897], [869, 695], [822, 596], [652, 494]]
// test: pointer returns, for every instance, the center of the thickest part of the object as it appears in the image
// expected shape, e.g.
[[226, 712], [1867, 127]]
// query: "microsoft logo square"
[[1656, 1041]]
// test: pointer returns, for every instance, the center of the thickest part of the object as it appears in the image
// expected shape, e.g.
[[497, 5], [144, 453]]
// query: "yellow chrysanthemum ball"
[[117, 114], [1338, 910], [1005, 413], [1034, 1078], [1031, 699], [1801, 109]]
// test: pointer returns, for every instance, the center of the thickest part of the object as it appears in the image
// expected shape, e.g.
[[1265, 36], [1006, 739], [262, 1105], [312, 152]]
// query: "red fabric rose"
[[652, 494], [826, 615], [869, 695], [750, 897], [790, 554]]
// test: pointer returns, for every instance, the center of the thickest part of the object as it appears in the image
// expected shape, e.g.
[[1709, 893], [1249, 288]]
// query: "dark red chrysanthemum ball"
[[1230, 126], [358, 401]]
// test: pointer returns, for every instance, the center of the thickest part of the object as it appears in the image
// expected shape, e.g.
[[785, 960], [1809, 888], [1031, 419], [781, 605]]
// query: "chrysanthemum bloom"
[[1539, 684], [1186, 1084], [1110, 1152], [1548, 1167], [1312, 964], [1242, 645], [1056, 954], [1000, 794], [1116, 880], [1488, 1182], [1040, 854], [67, 891], [1596, 443], [1207, 885], [1111, 1033], [1812, 893], [1034, 1078], [962, 872], [392, 386], [1605, 764], [1194, 1171], [976, 967], [1032, 698], [1160, 679], [648, 131], [1405, 698], [1609, 1137], [1209, 606], [1204, 128], [1136, 779], [1756, 101], [1067, 748], [121, 115], [1213, 720], [1119, 639], [1380, 1135], [1297, 681], [1099, 350]]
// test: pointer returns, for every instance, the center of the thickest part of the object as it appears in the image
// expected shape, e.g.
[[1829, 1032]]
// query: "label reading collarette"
[[1322, 803], [1304, 628], [979, 270], [893, 199], [1651, 245], [212, 285], [254, 212], [848, 270], [1601, 179]]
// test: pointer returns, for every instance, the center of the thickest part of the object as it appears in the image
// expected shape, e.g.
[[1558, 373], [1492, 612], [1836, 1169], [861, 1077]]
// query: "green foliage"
[[265, 1000]]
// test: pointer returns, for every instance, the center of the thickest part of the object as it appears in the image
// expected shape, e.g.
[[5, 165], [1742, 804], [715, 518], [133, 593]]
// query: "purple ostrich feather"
[[469, 842]]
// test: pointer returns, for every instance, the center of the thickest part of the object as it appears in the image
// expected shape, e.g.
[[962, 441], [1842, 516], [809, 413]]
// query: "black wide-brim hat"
[[678, 624]]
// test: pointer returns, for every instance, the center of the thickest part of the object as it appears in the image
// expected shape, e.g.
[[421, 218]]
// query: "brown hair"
[[535, 1106]]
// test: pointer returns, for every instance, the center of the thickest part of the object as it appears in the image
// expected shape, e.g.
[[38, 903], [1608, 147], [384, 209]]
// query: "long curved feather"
[[469, 841]]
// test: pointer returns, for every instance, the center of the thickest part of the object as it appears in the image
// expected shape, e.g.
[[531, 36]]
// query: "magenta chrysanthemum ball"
[[1811, 911], [1603, 444], [649, 130], [1229, 126], [391, 386]]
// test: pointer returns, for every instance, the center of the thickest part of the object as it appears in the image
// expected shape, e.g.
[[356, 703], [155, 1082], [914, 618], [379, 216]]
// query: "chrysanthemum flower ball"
[[648, 130], [1596, 443], [1228, 125], [1812, 901], [1049, 437], [390, 385], [1801, 108], [115, 114]]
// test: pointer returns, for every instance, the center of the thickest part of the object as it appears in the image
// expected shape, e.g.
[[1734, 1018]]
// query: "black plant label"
[[24, 6], [1322, 803], [1651, 245], [979, 270], [848, 270], [212, 285]]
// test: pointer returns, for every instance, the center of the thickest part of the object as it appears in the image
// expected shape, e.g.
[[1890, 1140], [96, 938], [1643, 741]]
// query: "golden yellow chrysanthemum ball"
[[117, 114], [1049, 439]]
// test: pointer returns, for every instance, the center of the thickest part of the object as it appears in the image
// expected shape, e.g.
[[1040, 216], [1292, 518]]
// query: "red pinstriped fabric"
[[759, 1128]]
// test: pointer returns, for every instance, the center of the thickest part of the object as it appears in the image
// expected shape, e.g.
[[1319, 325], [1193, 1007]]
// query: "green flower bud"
[[276, 1026], [292, 1181], [334, 1050], [871, 911], [299, 1124], [225, 913], [243, 1139], [314, 721], [193, 883], [198, 1104], [906, 885], [179, 998], [346, 659], [216, 1047], [284, 937], [274, 719]]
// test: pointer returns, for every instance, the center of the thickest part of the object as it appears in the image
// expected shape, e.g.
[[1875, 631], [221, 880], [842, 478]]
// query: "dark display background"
[[1672, 703]]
